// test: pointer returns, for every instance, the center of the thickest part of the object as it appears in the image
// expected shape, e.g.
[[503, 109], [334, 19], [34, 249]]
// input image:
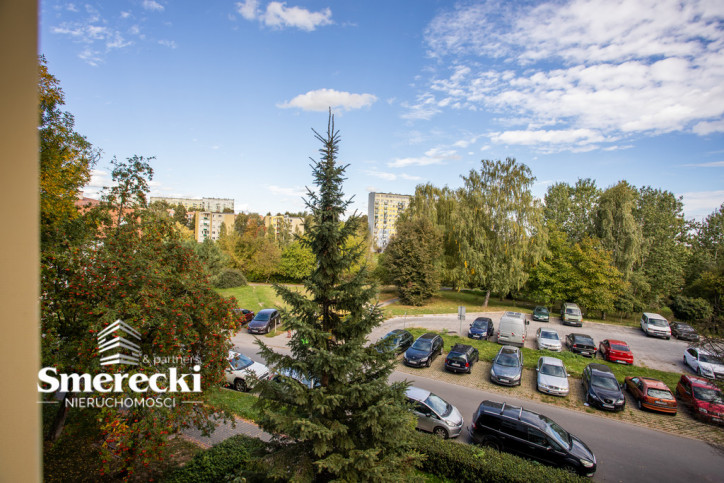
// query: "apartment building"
[[208, 224], [214, 205], [275, 224], [383, 209]]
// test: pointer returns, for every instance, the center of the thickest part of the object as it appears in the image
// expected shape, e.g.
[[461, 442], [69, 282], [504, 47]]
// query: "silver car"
[[548, 339], [507, 366], [552, 376], [434, 414]]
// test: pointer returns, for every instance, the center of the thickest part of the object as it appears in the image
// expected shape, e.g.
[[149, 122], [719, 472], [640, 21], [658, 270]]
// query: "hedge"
[[232, 457], [229, 278], [466, 462]]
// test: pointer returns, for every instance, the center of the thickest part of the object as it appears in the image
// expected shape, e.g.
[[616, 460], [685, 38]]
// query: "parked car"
[[602, 389], [242, 371], [655, 325], [541, 314], [424, 350], [552, 376], [434, 414], [616, 351], [581, 344], [571, 315], [704, 399], [548, 339], [704, 363], [461, 358], [531, 435], [481, 328], [246, 315], [684, 331], [397, 340], [512, 329], [264, 321], [507, 366], [302, 379], [651, 394]]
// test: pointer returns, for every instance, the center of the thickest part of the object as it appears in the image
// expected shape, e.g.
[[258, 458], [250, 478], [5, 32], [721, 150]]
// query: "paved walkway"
[[226, 430]]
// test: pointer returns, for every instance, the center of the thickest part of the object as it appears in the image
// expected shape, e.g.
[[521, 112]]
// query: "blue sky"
[[224, 94]]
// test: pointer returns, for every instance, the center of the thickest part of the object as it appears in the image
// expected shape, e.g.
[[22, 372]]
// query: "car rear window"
[[456, 357], [659, 393], [619, 347]]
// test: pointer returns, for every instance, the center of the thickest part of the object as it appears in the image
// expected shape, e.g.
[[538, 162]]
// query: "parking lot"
[[661, 354]]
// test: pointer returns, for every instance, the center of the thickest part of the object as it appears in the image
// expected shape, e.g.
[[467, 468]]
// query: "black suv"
[[532, 435], [397, 340], [602, 389], [424, 350], [461, 358]]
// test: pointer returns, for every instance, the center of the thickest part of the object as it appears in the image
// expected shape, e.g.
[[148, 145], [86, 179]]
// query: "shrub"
[[463, 462], [234, 456], [229, 278], [689, 309]]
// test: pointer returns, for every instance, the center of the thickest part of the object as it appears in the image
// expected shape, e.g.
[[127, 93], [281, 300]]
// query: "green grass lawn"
[[574, 363], [238, 403], [447, 302], [256, 297]]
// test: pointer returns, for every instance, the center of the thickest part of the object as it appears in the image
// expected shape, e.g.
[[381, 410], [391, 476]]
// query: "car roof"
[[266, 310], [417, 393], [652, 315], [516, 315], [616, 341], [461, 348], [487, 319], [578, 334], [397, 332], [653, 383], [509, 349], [513, 412], [429, 335], [551, 361], [600, 368], [699, 381]]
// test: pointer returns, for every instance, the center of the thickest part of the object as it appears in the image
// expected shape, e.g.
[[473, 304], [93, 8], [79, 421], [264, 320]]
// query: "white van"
[[512, 329], [654, 325]]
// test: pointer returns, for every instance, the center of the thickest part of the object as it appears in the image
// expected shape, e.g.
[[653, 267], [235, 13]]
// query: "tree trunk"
[[59, 423], [487, 298]]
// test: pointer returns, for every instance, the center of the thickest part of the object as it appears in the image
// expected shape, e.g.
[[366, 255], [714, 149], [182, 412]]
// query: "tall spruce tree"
[[349, 424]]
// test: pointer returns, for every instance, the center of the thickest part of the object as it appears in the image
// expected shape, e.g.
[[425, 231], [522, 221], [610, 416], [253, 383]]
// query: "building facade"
[[208, 224], [276, 224], [214, 205], [383, 210]]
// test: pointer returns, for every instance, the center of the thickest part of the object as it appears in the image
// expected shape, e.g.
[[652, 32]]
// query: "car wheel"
[[492, 443], [429, 361], [240, 385], [440, 432], [638, 403], [698, 371]]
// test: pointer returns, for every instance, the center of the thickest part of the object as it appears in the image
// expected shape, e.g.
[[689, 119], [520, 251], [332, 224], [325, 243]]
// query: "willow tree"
[[351, 425], [498, 226]]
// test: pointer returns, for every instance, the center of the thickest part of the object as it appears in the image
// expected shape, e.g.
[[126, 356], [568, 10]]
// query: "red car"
[[651, 394], [705, 399], [246, 315], [616, 351]]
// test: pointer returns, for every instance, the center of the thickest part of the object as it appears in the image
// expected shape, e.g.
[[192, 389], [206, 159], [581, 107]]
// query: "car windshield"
[[659, 393], [708, 395], [551, 370], [658, 322], [262, 316], [709, 358], [573, 312], [620, 348], [480, 324], [422, 345], [507, 359], [604, 382], [685, 328], [556, 432], [239, 362], [541, 310], [545, 334], [439, 405]]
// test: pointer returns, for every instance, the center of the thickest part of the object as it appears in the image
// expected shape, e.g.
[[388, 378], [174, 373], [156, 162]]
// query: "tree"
[[411, 260], [354, 426], [497, 226], [617, 227], [572, 208], [66, 158], [297, 262], [211, 256], [131, 187]]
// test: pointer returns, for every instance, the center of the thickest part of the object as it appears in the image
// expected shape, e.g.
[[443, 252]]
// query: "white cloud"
[[391, 176], [614, 67], [323, 99], [152, 5], [713, 164], [570, 136], [700, 204], [168, 43], [442, 153], [421, 161], [278, 15]]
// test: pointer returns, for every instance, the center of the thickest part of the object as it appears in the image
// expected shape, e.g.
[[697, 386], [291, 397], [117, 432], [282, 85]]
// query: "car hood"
[[709, 366], [711, 407], [550, 343], [415, 354], [506, 371], [549, 380], [256, 369], [477, 330], [580, 450], [258, 323], [454, 418], [602, 393]]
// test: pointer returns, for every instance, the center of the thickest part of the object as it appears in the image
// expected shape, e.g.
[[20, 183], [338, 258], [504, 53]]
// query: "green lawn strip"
[[447, 302], [574, 363], [238, 403]]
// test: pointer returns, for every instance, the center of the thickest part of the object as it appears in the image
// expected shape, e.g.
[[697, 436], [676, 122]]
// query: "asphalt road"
[[624, 452]]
